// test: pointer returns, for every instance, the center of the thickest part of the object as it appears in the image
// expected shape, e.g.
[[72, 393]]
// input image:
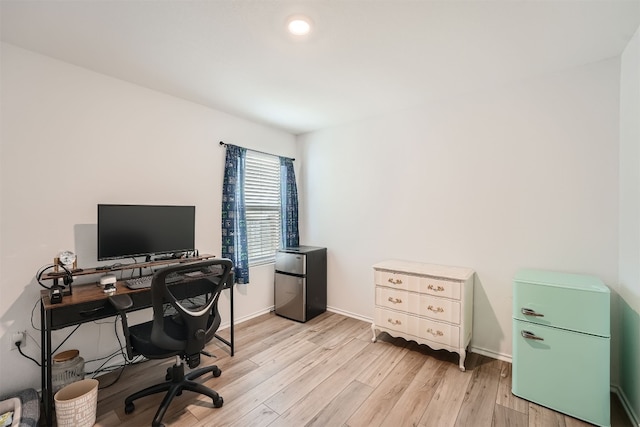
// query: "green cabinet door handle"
[[529, 312], [531, 336]]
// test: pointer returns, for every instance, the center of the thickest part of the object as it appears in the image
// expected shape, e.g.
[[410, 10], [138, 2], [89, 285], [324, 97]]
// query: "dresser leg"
[[373, 331], [463, 355]]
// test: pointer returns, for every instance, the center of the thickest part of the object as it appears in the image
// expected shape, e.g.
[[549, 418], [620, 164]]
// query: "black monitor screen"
[[136, 230]]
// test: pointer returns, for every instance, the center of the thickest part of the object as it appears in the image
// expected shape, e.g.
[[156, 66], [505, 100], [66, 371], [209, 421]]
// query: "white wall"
[[630, 173], [523, 176], [628, 346], [71, 139]]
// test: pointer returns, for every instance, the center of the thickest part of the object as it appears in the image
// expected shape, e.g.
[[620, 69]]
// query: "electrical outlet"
[[18, 337]]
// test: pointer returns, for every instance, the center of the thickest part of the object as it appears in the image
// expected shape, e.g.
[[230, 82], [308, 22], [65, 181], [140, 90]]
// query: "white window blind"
[[262, 201]]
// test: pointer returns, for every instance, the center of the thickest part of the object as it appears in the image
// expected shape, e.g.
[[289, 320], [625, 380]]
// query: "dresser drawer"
[[392, 298], [397, 280], [442, 333], [419, 304], [436, 308], [389, 319], [566, 301], [440, 287]]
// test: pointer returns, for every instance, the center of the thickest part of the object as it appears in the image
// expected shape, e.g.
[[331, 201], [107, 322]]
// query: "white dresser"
[[426, 303]]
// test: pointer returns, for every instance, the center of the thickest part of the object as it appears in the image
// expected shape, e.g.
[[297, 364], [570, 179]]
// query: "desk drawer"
[[81, 313]]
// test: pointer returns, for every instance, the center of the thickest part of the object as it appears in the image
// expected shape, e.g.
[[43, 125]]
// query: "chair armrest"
[[121, 302]]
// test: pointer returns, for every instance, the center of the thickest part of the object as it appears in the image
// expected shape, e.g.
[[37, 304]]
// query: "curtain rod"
[[261, 152]]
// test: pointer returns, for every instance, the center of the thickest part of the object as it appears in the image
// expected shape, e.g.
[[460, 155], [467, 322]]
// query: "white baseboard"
[[489, 353], [239, 320], [635, 418], [349, 314]]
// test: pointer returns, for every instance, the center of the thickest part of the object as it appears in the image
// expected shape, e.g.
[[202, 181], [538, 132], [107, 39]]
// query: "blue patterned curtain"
[[288, 204], [234, 223]]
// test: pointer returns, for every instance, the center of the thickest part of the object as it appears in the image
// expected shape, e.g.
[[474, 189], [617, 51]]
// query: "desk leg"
[[231, 331], [45, 357], [230, 342]]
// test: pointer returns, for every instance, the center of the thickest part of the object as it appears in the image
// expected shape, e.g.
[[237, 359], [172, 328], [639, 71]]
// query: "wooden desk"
[[89, 303]]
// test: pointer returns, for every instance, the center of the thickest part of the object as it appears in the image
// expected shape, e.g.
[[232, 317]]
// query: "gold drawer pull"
[[394, 322], [395, 300], [395, 281], [436, 310], [436, 333], [435, 288]]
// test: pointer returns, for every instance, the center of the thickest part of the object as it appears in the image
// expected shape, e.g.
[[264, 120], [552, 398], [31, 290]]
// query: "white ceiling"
[[364, 57]]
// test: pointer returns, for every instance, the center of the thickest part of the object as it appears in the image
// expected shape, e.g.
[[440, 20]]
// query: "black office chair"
[[182, 334]]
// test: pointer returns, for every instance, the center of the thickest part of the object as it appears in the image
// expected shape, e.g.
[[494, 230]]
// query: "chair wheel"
[[129, 408], [217, 372], [217, 403]]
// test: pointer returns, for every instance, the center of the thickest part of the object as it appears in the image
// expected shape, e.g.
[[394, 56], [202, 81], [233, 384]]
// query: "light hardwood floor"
[[327, 372]]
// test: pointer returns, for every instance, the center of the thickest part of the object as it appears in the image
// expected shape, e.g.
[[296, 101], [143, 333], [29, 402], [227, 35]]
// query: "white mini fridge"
[[300, 288]]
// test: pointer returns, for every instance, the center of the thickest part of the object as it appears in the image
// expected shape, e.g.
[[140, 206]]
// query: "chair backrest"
[[191, 327]]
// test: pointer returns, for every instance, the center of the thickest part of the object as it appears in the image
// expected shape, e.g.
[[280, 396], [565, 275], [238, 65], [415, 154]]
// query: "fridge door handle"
[[530, 336], [530, 312]]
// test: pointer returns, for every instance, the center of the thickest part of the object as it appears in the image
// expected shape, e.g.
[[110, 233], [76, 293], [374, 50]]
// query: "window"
[[262, 202]]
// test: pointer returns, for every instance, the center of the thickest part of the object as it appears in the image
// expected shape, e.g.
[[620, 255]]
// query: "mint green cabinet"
[[561, 343]]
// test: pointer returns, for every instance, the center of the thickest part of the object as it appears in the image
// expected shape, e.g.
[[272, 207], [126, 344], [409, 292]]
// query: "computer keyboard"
[[145, 281]]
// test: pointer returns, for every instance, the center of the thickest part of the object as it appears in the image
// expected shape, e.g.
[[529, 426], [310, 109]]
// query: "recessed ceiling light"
[[299, 25]]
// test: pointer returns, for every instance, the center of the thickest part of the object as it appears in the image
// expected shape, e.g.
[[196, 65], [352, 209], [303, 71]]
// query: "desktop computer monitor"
[[127, 231]]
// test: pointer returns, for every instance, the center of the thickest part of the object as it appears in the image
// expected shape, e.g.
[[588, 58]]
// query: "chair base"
[[176, 382]]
